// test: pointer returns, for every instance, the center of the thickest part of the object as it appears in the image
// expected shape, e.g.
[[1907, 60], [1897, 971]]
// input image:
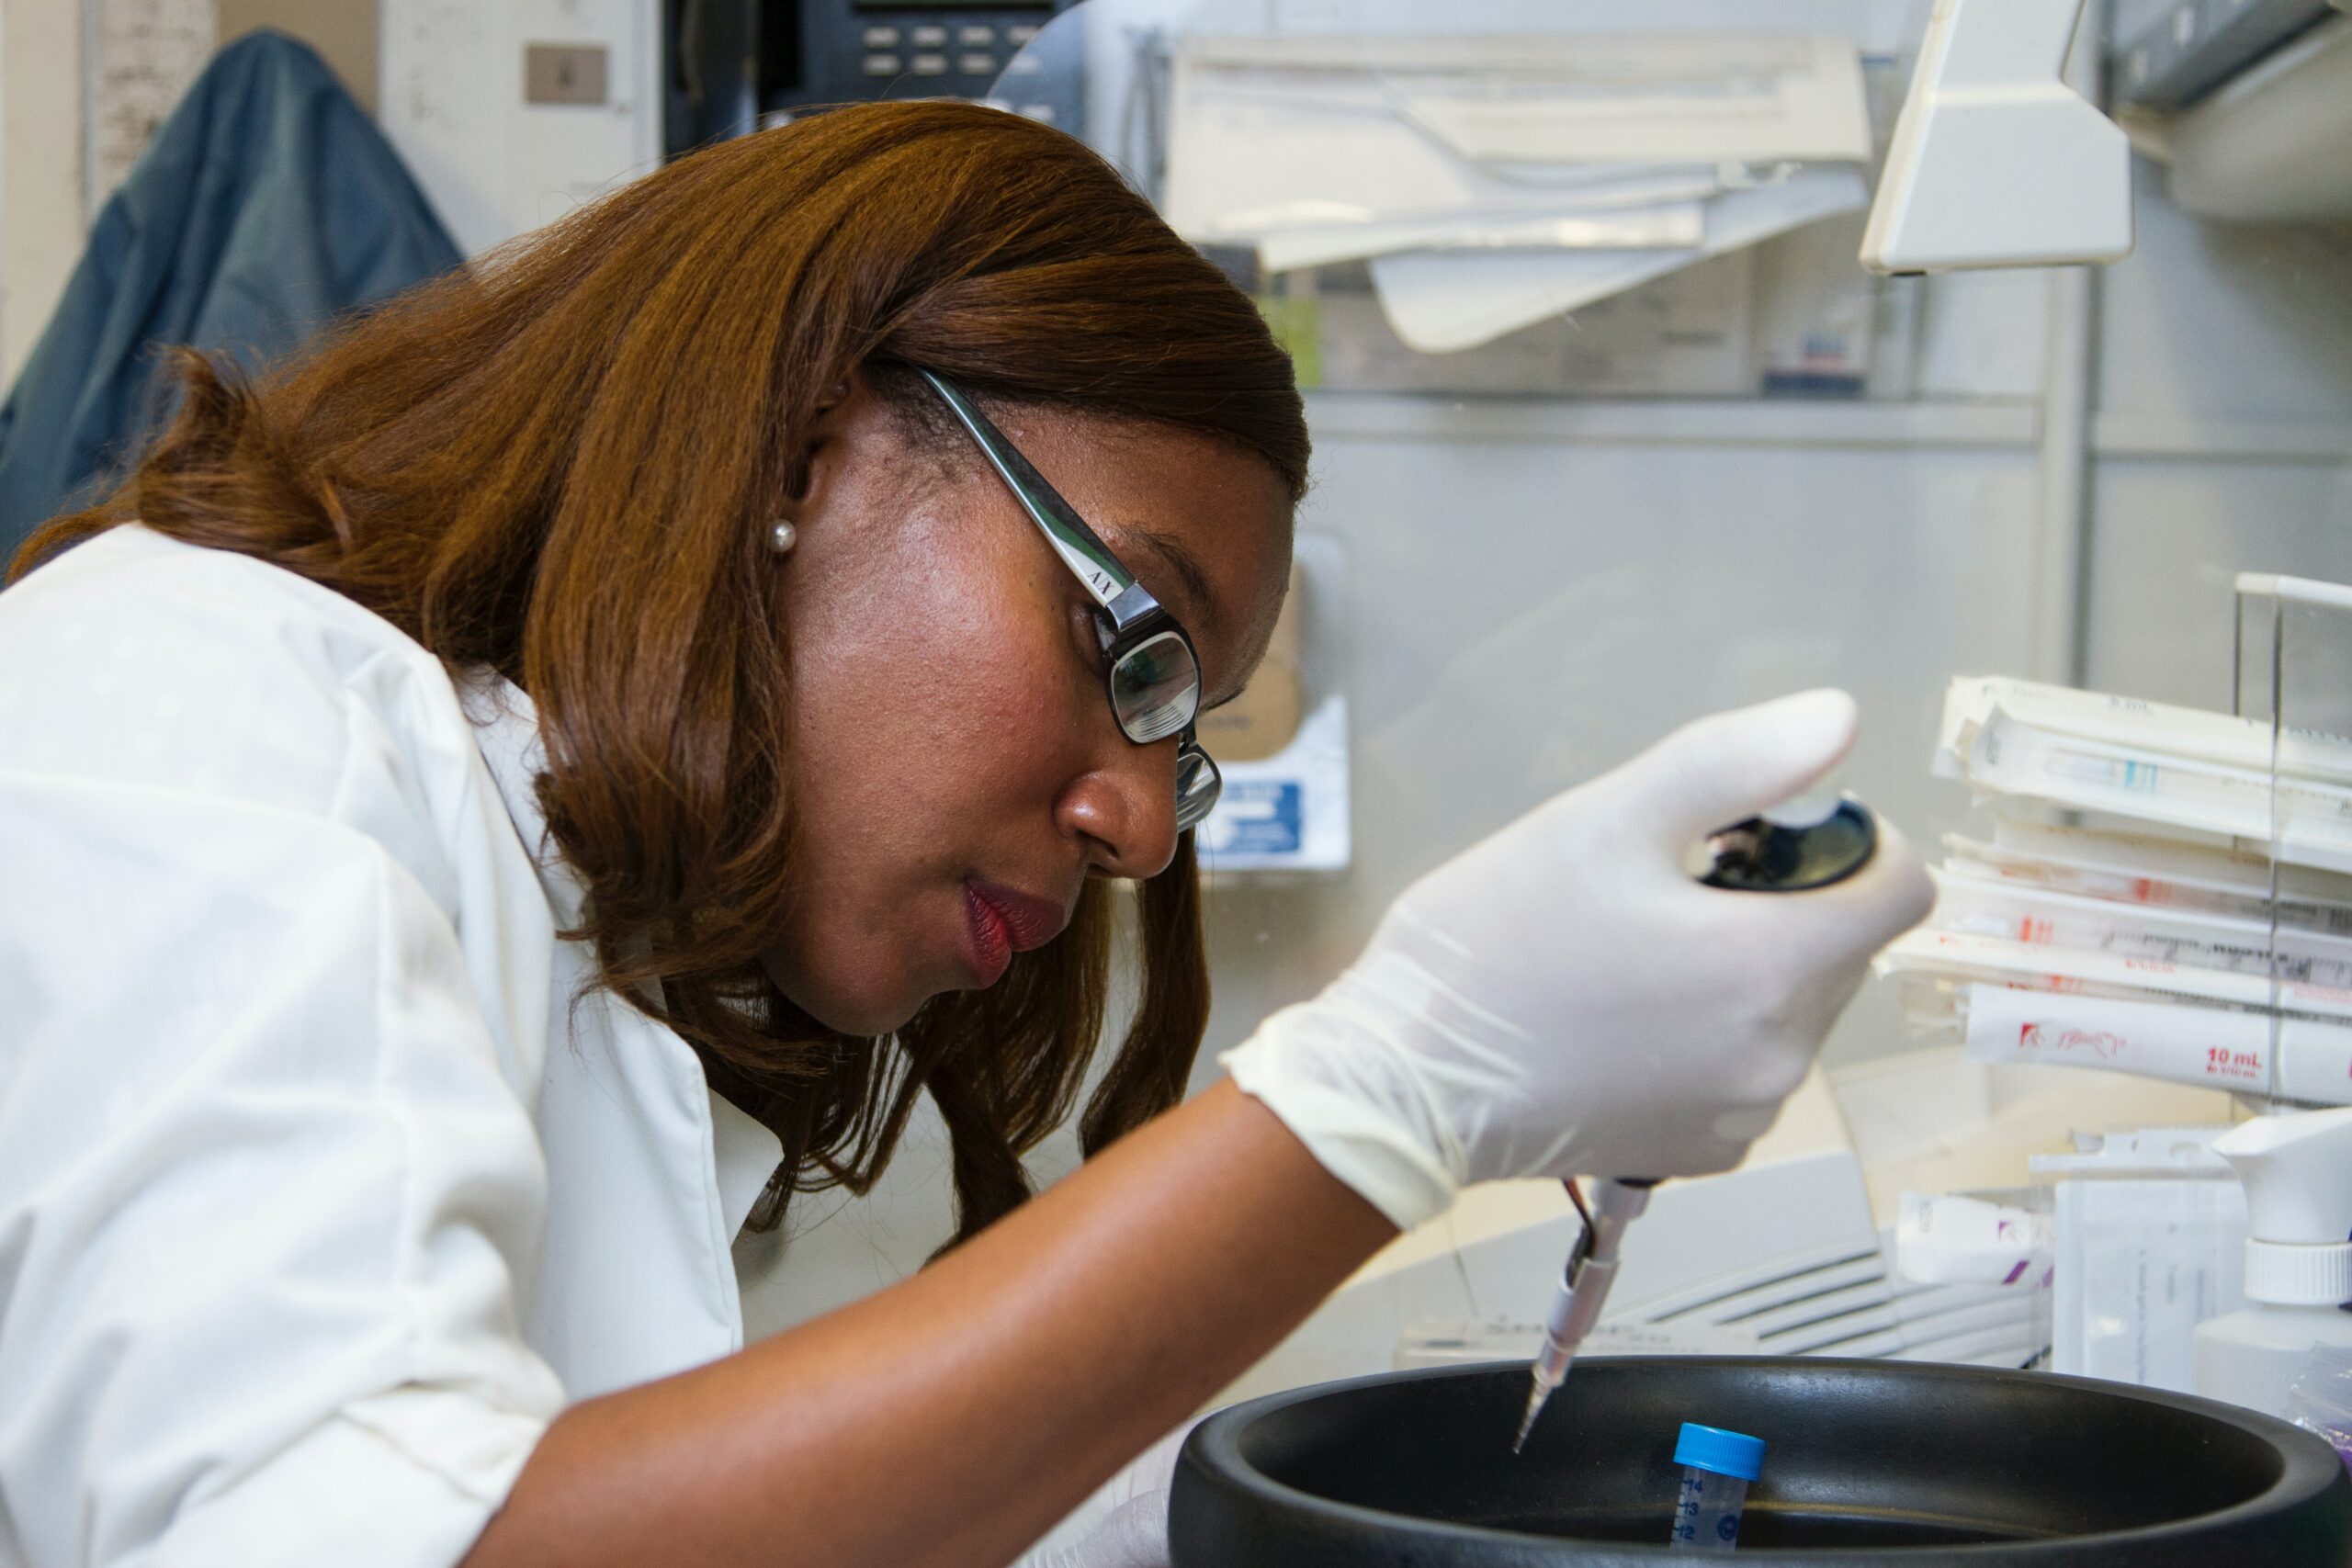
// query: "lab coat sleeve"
[[268, 1174]]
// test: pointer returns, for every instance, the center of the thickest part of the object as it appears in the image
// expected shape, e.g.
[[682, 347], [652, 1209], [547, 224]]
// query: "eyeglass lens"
[[1198, 785], [1156, 689]]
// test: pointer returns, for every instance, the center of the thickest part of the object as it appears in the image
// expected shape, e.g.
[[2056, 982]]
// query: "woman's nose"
[[1123, 809]]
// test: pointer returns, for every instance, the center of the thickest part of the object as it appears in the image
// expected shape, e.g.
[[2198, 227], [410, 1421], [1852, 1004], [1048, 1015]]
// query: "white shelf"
[[2211, 438], [1990, 424], [1675, 422]]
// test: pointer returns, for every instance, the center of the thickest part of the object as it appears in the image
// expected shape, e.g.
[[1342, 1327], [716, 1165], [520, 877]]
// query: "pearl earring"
[[782, 537]]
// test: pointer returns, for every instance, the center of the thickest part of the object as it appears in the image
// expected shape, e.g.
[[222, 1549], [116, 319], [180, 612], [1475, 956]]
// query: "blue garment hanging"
[[269, 205]]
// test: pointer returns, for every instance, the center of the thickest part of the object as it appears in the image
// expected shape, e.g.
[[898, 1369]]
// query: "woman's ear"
[[806, 470]]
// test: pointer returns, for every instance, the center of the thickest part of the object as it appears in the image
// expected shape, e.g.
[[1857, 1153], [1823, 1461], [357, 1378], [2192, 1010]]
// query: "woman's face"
[[954, 764]]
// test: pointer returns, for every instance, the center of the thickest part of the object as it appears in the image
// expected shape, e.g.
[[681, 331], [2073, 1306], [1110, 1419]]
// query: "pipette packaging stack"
[[2194, 924], [2165, 892]]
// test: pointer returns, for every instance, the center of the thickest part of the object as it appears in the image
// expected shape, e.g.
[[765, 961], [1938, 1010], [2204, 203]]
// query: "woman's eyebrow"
[[1204, 612]]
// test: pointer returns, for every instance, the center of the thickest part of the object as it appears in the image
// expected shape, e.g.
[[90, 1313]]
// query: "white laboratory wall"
[[40, 168], [492, 165], [143, 54], [1529, 612], [2225, 439]]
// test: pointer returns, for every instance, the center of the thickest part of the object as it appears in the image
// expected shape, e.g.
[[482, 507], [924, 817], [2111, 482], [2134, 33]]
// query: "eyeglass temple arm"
[[1081, 549]]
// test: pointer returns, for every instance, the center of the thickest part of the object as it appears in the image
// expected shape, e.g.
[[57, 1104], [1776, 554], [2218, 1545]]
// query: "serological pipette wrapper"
[[2044, 967], [1972, 703], [1978, 902], [2162, 873], [2238, 1051], [2165, 947], [2179, 768]]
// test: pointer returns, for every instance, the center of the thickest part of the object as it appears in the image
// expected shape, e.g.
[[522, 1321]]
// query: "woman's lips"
[[991, 937], [1004, 921]]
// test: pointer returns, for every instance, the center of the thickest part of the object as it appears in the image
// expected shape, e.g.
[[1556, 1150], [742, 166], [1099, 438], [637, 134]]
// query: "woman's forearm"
[[952, 1418]]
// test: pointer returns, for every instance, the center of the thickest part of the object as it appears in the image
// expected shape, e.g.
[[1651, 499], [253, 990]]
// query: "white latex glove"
[[1564, 998], [1125, 1523]]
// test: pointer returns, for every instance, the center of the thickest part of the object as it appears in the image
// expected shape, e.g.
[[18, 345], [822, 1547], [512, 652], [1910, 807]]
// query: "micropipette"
[[1584, 1289], [1809, 843]]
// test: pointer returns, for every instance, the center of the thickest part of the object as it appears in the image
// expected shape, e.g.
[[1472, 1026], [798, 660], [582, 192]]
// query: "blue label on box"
[[1257, 817]]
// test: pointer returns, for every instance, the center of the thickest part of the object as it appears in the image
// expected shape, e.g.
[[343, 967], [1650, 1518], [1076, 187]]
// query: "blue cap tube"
[[1716, 1468], [1725, 1453]]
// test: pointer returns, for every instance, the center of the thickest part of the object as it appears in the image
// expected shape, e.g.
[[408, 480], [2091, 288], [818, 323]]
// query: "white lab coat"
[[319, 1197]]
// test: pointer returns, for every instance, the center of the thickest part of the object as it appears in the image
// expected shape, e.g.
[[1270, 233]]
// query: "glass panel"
[[2294, 668]]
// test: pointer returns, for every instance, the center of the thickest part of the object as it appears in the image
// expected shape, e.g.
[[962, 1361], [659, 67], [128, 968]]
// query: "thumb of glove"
[[1730, 766]]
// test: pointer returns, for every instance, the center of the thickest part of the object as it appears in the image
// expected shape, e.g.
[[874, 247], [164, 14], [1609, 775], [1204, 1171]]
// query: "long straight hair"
[[559, 466]]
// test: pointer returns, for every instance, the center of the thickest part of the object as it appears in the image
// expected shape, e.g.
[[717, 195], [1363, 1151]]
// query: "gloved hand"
[[1564, 998], [1125, 1523]]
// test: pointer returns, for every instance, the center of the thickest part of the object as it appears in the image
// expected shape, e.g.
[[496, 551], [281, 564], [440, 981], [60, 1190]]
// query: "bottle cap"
[[2297, 1167], [2285, 1274], [1725, 1453]]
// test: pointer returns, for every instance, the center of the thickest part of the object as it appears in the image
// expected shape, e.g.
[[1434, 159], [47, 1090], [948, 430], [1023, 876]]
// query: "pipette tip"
[[1527, 1422]]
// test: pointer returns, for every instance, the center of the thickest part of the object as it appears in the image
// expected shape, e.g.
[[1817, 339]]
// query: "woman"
[[501, 804]]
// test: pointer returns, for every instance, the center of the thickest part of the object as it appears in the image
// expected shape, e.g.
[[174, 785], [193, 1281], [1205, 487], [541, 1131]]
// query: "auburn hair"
[[560, 466]]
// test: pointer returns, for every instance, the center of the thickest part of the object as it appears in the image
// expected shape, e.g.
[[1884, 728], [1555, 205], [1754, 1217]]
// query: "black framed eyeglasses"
[[1150, 671]]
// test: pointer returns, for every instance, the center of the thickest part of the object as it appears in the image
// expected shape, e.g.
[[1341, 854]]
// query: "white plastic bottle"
[[2297, 1168]]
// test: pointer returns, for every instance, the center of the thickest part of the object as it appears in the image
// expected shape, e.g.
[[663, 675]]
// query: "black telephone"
[[732, 66]]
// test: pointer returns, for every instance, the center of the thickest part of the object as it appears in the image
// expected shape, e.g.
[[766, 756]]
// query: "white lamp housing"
[[1995, 161]]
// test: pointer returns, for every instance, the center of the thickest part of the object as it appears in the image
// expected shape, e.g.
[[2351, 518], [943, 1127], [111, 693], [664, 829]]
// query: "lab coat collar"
[[506, 727], [746, 1154]]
